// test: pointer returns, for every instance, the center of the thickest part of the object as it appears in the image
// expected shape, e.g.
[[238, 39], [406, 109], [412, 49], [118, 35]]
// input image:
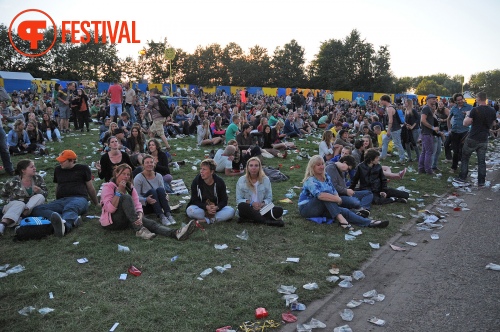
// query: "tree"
[[403, 84], [287, 65], [487, 81], [427, 86]]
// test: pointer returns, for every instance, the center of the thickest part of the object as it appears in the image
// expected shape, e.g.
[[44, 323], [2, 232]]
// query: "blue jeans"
[[195, 212], [131, 111], [360, 199], [396, 138], [160, 195], [70, 208], [319, 208], [425, 160], [4, 152], [115, 109], [436, 151], [480, 148]]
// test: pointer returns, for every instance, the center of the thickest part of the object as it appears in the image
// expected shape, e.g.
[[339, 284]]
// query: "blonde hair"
[[260, 175], [206, 126], [315, 160], [409, 105]]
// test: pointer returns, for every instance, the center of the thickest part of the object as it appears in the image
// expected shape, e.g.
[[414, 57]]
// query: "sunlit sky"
[[424, 37]]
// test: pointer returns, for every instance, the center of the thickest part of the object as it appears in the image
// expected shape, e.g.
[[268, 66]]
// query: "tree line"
[[350, 64]]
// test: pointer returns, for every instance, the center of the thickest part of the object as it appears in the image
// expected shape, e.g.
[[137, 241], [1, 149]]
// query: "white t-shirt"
[[222, 162]]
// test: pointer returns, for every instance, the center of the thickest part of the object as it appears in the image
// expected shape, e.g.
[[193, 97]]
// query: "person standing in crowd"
[[73, 187], [63, 105], [130, 99], [481, 119], [254, 192], [441, 115], [115, 106], [82, 112], [209, 199], [393, 130], [455, 123], [21, 194], [412, 130], [153, 108], [426, 123], [5, 154]]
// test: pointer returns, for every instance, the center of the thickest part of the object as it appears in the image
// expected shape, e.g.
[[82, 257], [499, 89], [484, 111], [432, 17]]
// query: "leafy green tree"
[[288, 66], [403, 84], [258, 67], [428, 86], [487, 81]]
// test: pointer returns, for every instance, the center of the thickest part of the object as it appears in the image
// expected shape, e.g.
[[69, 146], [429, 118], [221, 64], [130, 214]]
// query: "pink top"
[[116, 94], [107, 194]]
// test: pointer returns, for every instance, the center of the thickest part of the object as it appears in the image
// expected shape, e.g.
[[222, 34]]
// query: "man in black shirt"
[[480, 119], [73, 187]]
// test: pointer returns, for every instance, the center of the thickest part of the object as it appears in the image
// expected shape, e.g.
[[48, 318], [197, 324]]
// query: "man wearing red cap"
[[73, 187]]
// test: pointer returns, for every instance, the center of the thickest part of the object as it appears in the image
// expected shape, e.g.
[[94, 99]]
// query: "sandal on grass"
[[379, 223], [347, 227]]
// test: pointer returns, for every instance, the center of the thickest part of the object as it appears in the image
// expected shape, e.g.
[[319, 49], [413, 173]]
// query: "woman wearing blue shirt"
[[319, 199]]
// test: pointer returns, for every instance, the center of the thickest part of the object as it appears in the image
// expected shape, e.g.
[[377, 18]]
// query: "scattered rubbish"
[[358, 275], [369, 301], [331, 254], [332, 278], [343, 328], [4, 267], [492, 266], [396, 248], [348, 278], [347, 315], [15, 269], [224, 329], [293, 259], [286, 200], [261, 313], [435, 236], [398, 216], [355, 233], [413, 244], [295, 306], [354, 303], [243, 235], [315, 324], [76, 243], [27, 310], [123, 276], [371, 293], [3, 274], [173, 259], [374, 245], [123, 248], [51, 295], [377, 321], [82, 260], [134, 271], [287, 289], [206, 273], [378, 297], [349, 237], [44, 311], [113, 328], [288, 317], [345, 284], [290, 298], [220, 246], [334, 269], [303, 328], [222, 269], [311, 286]]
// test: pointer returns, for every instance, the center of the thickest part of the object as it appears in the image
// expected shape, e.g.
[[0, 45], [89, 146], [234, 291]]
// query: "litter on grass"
[[15, 269], [345, 284], [293, 259], [492, 266], [348, 237], [295, 306], [220, 246], [82, 260], [113, 328], [287, 289], [123, 276], [333, 255], [290, 298], [311, 286], [355, 233], [222, 269], [123, 248], [332, 278], [374, 245], [243, 235]]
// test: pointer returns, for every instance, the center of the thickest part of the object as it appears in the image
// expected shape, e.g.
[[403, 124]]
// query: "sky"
[[454, 37]]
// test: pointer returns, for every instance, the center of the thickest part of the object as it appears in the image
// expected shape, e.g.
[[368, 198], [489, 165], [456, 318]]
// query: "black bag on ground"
[[33, 228], [162, 107], [275, 174]]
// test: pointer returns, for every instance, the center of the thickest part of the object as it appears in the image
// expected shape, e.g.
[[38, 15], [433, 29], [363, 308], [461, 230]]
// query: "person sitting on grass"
[[320, 202], [205, 135], [209, 199], [254, 192], [371, 177], [224, 160], [122, 209]]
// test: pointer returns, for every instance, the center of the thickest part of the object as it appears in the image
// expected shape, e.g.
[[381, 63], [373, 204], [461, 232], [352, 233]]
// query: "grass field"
[[168, 296]]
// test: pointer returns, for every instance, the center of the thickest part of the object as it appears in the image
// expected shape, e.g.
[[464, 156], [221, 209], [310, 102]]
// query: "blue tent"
[[16, 80]]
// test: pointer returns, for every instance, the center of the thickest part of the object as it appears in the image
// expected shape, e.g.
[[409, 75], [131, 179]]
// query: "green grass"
[[168, 296]]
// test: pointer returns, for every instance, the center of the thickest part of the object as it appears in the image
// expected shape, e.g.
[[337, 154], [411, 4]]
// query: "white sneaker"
[[164, 221], [171, 220], [58, 224], [184, 232], [145, 234]]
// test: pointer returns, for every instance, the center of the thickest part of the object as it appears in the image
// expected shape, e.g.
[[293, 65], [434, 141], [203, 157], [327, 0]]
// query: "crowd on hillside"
[[341, 181]]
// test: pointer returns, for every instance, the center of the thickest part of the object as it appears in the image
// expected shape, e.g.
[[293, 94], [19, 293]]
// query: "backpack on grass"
[[33, 228], [275, 174]]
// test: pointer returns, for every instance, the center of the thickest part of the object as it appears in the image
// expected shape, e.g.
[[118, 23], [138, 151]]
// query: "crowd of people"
[[340, 184]]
